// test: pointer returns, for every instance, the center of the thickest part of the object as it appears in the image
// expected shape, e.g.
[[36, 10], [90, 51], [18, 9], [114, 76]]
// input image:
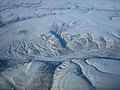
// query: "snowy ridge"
[[59, 45], [59, 41]]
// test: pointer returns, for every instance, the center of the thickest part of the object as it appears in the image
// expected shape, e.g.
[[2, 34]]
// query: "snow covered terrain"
[[59, 44]]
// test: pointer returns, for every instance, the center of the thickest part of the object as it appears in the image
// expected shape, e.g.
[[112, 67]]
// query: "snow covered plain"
[[59, 44]]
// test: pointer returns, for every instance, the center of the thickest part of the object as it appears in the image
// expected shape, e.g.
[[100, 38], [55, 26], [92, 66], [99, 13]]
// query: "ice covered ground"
[[60, 44]]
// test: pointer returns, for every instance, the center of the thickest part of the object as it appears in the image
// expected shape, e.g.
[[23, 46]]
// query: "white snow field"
[[59, 44]]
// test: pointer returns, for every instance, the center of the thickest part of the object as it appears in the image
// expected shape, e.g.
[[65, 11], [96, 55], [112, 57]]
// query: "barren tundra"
[[59, 44]]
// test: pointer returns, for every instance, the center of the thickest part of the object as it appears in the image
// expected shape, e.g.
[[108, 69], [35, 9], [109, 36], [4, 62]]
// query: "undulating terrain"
[[59, 44]]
